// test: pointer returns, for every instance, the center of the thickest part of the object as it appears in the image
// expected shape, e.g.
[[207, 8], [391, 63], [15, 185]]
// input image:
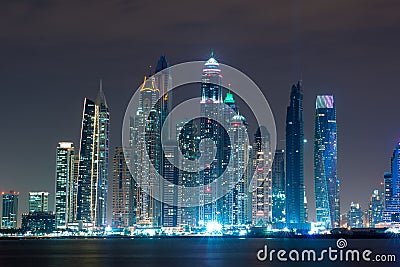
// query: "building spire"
[[212, 53], [101, 98]]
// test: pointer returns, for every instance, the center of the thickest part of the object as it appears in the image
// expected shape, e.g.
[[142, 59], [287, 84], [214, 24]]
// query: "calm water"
[[175, 252]]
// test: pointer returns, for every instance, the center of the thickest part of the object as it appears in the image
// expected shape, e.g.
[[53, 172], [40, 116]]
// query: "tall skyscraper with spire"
[[213, 159], [93, 162], [163, 81], [326, 182], [146, 128], [145, 144], [295, 211], [210, 107]]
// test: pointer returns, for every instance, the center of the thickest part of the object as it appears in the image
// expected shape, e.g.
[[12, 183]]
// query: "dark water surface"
[[176, 252]]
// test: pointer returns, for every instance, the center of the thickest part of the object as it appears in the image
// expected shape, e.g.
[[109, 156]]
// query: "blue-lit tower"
[[278, 186], [326, 182], [392, 189], [295, 208]]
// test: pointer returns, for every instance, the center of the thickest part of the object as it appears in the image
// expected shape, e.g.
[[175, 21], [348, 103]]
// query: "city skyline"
[[95, 124], [354, 62]]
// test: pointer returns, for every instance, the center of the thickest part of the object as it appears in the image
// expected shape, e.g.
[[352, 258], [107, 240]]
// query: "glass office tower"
[[326, 182]]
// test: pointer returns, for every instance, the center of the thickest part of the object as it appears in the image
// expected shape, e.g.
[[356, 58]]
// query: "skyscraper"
[[93, 162], [211, 106], [185, 133], [123, 191], [9, 218], [38, 201], [233, 204], [278, 186], [146, 153], [262, 178], [213, 159], [65, 184], [170, 173], [375, 211], [295, 212], [392, 189], [163, 81], [355, 215], [326, 182]]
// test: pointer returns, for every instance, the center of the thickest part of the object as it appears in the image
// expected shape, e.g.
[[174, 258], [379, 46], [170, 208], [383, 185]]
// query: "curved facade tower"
[[326, 182], [93, 163]]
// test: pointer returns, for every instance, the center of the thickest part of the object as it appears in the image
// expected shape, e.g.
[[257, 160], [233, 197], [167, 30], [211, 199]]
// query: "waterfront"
[[193, 252]]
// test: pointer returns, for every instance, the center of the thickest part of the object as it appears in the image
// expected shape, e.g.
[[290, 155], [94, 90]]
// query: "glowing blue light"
[[213, 227]]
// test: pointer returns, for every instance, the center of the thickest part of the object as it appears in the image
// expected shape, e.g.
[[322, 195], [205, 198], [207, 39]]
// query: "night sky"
[[53, 53]]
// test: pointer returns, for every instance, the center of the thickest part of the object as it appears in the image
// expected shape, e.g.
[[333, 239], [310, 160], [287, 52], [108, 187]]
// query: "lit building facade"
[[278, 186], [233, 204], [171, 174], [262, 178], [295, 190], [38, 201], [326, 182], [392, 189], [186, 130], [145, 144], [375, 211], [9, 216], [211, 106], [123, 192], [93, 163], [355, 216], [38, 222], [65, 184]]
